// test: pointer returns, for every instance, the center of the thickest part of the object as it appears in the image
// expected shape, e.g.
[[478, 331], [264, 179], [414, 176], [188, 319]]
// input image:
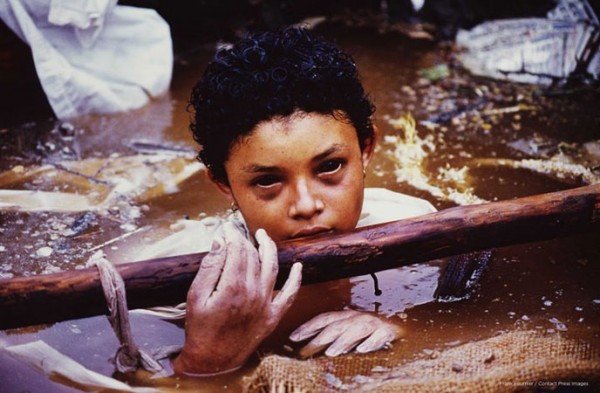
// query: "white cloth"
[[192, 236], [93, 56]]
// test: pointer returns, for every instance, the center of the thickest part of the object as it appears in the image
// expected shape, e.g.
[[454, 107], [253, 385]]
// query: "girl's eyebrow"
[[255, 168], [333, 149]]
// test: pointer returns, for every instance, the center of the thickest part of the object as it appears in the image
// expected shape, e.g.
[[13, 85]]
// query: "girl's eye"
[[266, 181], [330, 167]]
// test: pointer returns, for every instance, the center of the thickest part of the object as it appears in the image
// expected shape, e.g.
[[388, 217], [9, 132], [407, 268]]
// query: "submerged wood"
[[460, 274], [77, 294]]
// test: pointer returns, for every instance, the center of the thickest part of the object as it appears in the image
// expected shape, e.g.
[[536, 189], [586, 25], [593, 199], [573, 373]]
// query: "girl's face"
[[299, 175]]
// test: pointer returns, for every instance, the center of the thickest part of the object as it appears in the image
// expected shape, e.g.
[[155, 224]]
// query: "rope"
[[128, 357]]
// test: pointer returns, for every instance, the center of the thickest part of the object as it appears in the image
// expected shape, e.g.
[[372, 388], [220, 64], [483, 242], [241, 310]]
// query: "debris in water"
[[333, 380], [361, 379], [98, 183], [105, 193], [118, 238], [537, 146], [32, 201], [81, 224], [380, 369], [49, 269], [409, 156], [44, 251], [559, 167], [561, 327], [149, 147], [66, 129], [52, 363], [535, 50], [453, 343], [435, 73]]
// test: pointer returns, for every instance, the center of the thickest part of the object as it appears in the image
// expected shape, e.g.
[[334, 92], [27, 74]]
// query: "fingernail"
[[333, 352], [259, 232]]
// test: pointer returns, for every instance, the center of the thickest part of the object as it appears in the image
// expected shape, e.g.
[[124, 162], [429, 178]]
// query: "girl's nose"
[[306, 203]]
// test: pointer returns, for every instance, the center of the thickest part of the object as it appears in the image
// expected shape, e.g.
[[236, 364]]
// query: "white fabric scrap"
[[129, 356], [86, 16], [28, 200], [533, 50], [50, 362], [92, 56]]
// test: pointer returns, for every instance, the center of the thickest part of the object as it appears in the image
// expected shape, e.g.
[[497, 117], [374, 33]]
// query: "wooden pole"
[[77, 294]]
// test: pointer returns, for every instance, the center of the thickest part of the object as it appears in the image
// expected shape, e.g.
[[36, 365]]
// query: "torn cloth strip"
[[129, 357]]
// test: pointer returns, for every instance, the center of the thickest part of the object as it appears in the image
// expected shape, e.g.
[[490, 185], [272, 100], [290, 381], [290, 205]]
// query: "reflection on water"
[[549, 286], [401, 289]]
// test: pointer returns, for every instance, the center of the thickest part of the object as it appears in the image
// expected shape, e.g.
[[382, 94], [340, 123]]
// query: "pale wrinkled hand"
[[341, 331], [230, 304]]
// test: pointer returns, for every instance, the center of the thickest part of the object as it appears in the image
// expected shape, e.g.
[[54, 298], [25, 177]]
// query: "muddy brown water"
[[549, 286]]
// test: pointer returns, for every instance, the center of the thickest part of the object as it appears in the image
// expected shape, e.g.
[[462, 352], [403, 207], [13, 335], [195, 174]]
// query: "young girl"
[[286, 133]]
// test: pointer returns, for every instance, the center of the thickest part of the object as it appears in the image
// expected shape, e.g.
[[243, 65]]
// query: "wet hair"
[[272, 75]]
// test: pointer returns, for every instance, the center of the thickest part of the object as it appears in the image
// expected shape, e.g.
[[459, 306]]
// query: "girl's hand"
[[341, 331], [230, 304]]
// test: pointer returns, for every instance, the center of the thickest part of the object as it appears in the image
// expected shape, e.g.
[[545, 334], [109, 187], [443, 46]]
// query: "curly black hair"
[[269, 75]]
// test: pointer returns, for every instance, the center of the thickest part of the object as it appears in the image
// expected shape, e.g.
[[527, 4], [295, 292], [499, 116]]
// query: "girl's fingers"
[[208, 275], [267, 252], [319, 343], [328, 335], [352, 335], [236, 265], [380, 337], [311, 349], [319, 322], [342, 331], [284, 299], [253, 265]]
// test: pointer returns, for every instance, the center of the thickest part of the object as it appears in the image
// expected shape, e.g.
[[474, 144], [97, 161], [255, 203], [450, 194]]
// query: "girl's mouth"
[[309, 231]]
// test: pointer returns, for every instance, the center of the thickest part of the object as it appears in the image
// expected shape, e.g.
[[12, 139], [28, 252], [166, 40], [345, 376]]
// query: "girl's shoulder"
[[382, 205]]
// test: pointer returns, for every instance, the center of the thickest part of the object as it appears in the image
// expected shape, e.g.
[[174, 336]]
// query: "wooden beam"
[[77, 294]]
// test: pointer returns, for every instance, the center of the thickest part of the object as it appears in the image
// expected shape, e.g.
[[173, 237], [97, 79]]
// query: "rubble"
[[544, 51]]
